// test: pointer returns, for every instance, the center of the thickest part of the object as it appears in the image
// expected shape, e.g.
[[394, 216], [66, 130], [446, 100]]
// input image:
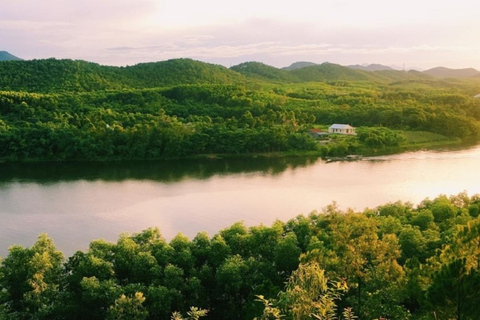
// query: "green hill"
[[334, 72], [299, 65], [258, 70], [331, 72], [52, 75], [441, 72], [310, 72], [397, 75], [181, 71], [5, 56], [370, 67]]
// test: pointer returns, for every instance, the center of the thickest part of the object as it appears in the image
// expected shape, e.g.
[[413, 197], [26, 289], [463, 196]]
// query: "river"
[[78, 202]]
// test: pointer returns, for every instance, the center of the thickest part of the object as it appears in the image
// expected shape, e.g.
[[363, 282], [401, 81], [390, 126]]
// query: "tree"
[[468, 244], [32, 277], [454, 291], [270, 312], [442, 209], [231, 279], [128, 308], [194, 314], [133, 261], [412, 243], [287, 253], [379, 137], [309, 293]]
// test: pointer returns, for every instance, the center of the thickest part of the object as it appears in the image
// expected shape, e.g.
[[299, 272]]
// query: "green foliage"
[[330, 72], [261, 71], [442, 209], [270, 312], [75, 110], [454, 291], [31, 278], [310, 293], [397, 261], [53, 75], [128, 308], [379, 137], [194, 314]]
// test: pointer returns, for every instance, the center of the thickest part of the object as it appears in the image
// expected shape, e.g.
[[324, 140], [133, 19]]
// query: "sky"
[[414, 34]]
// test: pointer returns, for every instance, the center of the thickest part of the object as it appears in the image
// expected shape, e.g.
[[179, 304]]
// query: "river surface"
[[76, 203]]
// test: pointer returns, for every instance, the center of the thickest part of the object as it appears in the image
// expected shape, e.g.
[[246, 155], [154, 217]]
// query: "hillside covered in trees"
[[396, 261], [76, 110]]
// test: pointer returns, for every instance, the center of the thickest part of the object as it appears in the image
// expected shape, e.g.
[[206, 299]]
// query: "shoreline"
[[362, 151]]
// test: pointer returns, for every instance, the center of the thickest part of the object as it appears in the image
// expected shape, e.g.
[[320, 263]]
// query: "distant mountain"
[[299, 65], [52, 75], [396, 75], [330, 71], [5, 56], [370, 67], [441, 72], [262, 71]]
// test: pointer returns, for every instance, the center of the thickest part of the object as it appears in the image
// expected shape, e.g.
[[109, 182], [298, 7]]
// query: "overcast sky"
[[415, 33]]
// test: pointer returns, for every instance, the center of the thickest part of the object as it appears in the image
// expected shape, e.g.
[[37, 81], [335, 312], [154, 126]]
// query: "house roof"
[[341, 126]]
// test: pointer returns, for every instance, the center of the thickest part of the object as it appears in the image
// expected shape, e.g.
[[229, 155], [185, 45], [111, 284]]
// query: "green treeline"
[[396, 261], [75, 110], [156, 124]]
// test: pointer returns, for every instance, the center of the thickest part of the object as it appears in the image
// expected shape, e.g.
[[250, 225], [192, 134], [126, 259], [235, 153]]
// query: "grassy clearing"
[[415, 140], [416, 137]]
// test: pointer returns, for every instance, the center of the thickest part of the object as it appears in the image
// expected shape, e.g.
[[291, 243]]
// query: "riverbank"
[[413, 141], [416, 146]]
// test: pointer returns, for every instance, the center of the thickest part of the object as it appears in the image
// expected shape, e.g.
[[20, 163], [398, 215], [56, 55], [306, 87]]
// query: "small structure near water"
[[341, 129], [318, 133]]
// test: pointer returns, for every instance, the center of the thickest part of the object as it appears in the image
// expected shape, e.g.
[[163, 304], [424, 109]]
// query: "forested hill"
[[76, 110], [299, 65], [260, 71], [52, 75], [441, 72], [370, 67], [322, 72]]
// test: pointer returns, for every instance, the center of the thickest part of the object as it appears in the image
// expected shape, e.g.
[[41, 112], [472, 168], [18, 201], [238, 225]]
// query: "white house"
[[341, 129]]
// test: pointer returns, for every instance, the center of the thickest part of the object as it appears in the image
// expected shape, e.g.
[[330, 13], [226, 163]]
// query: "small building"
[[341, 129], [477, 96], [317, 133]]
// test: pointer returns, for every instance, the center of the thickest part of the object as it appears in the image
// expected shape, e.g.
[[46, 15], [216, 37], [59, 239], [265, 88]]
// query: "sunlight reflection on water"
[[75, 211]]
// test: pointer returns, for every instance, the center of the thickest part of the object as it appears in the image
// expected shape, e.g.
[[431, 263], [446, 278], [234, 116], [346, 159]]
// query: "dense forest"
[[76, 110], [396, 261]]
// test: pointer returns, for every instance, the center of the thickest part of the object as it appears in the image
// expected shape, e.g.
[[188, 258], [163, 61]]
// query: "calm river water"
[[78, 202]]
